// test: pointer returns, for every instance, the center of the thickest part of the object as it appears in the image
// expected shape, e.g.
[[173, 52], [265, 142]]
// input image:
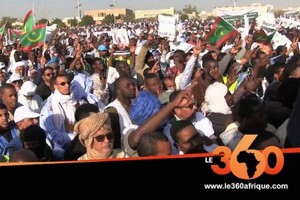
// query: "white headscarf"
[[214, 100], [64, 106], [12, 59]]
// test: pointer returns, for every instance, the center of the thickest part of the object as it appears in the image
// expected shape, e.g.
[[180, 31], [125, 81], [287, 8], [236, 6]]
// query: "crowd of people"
[[78, 98]]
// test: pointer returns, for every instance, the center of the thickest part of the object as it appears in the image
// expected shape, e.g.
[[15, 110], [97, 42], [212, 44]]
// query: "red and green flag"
[[14, 34], [36, 37], [261, 37], [28, 22], [220, 32]]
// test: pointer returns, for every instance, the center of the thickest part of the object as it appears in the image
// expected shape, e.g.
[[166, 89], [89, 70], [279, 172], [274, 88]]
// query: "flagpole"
[[33, 10], [8, 34]]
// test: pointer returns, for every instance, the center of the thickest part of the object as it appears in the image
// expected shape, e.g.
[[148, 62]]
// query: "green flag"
[[36, 37], [28, 23], [220, 32], [262, 38], [2, 29]]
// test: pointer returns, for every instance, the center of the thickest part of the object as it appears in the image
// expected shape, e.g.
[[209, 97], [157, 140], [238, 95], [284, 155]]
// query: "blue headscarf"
[[144, 106], [53, 60]]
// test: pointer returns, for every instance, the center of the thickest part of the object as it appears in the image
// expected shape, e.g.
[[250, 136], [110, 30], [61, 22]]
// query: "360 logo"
[[247, 163]]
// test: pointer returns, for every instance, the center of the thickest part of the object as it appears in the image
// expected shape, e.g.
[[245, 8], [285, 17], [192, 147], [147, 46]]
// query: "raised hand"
[[184, 98], [197, 48], [155, 68]]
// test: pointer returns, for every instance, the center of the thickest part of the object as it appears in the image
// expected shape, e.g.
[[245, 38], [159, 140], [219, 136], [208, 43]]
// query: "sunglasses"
[[100, 138], [64, 83], [49, 74]]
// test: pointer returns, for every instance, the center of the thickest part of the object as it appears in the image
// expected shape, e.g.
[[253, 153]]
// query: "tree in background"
[[42, 21], [59, 23], [184, 17], [87, 20], [128, 18], [73, 22], [189, 9], [8, 21], [108, 19]]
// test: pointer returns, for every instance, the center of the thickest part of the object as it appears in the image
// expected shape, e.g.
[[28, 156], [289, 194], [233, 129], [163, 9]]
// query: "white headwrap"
[[214, 100], [12, 59], [18, 64], [64, 107], [28, 88]]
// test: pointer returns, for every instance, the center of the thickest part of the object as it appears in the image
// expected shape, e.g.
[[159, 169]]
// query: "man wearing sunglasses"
[[44, 89], [58, 114], [190, 113]]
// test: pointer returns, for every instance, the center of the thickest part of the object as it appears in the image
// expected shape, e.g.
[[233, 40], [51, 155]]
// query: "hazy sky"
[[66, 8]]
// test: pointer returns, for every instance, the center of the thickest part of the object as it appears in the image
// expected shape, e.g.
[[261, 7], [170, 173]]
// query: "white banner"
[[237, 12], [279, 39], [167, 26], [186, 47], [288, 23], [267, 20], [50, 29], [120, 36]]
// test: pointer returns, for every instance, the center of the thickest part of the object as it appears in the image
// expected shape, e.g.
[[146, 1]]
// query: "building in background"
[[144, 14], [66, 20], [118, 13]]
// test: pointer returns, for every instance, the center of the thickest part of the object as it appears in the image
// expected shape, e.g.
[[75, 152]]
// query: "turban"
[[87, 129], [144, 106], [214, 100]]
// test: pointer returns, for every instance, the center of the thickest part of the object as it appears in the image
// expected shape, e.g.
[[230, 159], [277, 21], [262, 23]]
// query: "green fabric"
[[28, 23], [2, 29], [220, 32], [36, 37], [262, 37]]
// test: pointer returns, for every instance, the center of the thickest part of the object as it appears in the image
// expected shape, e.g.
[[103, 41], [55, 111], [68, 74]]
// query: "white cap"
[[24, 112], [19, 64], [14, 77], [28, 88]]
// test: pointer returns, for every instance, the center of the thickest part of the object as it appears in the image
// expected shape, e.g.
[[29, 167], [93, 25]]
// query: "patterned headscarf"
[[87, 129]]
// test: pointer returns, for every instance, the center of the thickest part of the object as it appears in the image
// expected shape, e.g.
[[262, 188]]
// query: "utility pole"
[[78, 10], [113, 5], [234, 3], [33, 9]]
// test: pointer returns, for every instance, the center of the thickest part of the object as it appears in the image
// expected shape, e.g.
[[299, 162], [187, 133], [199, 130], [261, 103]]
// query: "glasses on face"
[[64, 83], [100, 138], [49, 74]]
